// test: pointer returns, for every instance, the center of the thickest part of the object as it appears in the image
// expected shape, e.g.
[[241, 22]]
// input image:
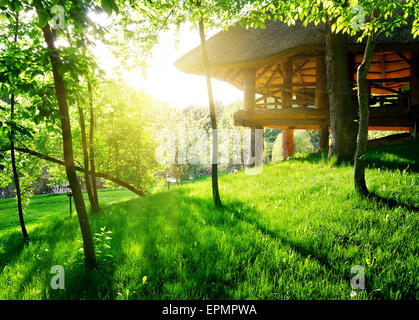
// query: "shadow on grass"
[[53, 244], [13, 245], [98, 283], [408, 151], [390, 203], [179, 264], [247, 215]]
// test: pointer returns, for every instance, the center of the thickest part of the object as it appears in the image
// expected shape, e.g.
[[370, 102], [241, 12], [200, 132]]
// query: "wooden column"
[[414, 86], [249, 85], [322, 97], [286, 97]]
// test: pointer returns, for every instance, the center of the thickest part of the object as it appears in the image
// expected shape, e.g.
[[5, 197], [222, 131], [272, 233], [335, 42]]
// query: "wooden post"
[[249, 85], [414, 86], [322, 97], [286, 95]]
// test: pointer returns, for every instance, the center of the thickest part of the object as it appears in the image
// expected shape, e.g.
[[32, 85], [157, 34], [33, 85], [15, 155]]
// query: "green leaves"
[[19, 128], [43, 17], [109, 5]]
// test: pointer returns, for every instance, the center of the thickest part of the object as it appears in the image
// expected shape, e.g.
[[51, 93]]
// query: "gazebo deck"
[[381, 118]]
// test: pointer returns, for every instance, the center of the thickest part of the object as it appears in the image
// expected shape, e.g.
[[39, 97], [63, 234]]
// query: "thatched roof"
[[237, 48], [240, 46]]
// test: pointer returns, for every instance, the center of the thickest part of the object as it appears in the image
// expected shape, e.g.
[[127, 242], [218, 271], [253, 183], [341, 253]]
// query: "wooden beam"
[[300, 67], [401, 55], [403, 124], [282, 86], [260, 75], [273, 74], [284, 113], [377, 86], [403, 79], [233, 75], [372, 128], [296, 127], [268, 95]]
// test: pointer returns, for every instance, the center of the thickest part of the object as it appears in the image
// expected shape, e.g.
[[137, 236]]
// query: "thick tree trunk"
[[91, 146], [343, 112], [286, 97], [86, 161], [322, 98], [363, 99], [16, 175], [414, 86], [89, 251], [214, 173]]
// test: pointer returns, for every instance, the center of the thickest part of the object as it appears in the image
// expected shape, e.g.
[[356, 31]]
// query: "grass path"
[[293, 232]]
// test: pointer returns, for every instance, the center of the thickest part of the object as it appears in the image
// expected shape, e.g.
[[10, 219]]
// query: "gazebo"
[[282, 71]]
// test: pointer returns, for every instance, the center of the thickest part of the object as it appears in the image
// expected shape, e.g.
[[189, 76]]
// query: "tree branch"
[[80, 169]]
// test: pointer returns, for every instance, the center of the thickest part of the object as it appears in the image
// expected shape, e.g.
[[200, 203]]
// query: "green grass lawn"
[[292, 232]]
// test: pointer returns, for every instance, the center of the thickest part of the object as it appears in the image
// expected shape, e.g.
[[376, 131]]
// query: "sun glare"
[[163, 81]]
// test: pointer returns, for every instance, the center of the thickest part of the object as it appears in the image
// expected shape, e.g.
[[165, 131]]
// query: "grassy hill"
[[292, 232]]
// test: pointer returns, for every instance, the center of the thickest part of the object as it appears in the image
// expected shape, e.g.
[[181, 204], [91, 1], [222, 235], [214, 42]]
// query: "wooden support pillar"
[[322, 97], [286, 97], [414, 86], [249, 88]]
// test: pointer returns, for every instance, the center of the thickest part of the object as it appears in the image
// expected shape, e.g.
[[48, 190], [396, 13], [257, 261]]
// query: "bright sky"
[[165, 82]]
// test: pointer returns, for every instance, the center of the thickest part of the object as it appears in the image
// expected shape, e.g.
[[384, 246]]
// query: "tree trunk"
[[343, 110], [363, 100], [13, 157], [117, 159], [16, 175], [214, 173], [286, 99], [86, 161], [322, 98], [414, 87], [91, 147], [89, 251]]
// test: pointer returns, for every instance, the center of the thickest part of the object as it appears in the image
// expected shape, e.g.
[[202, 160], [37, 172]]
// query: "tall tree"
[[199, 11], [12, 63], [60, 89], [91, 146], [214, 172], [87, 175], [91, 192], [13, 156], [343, 110]]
